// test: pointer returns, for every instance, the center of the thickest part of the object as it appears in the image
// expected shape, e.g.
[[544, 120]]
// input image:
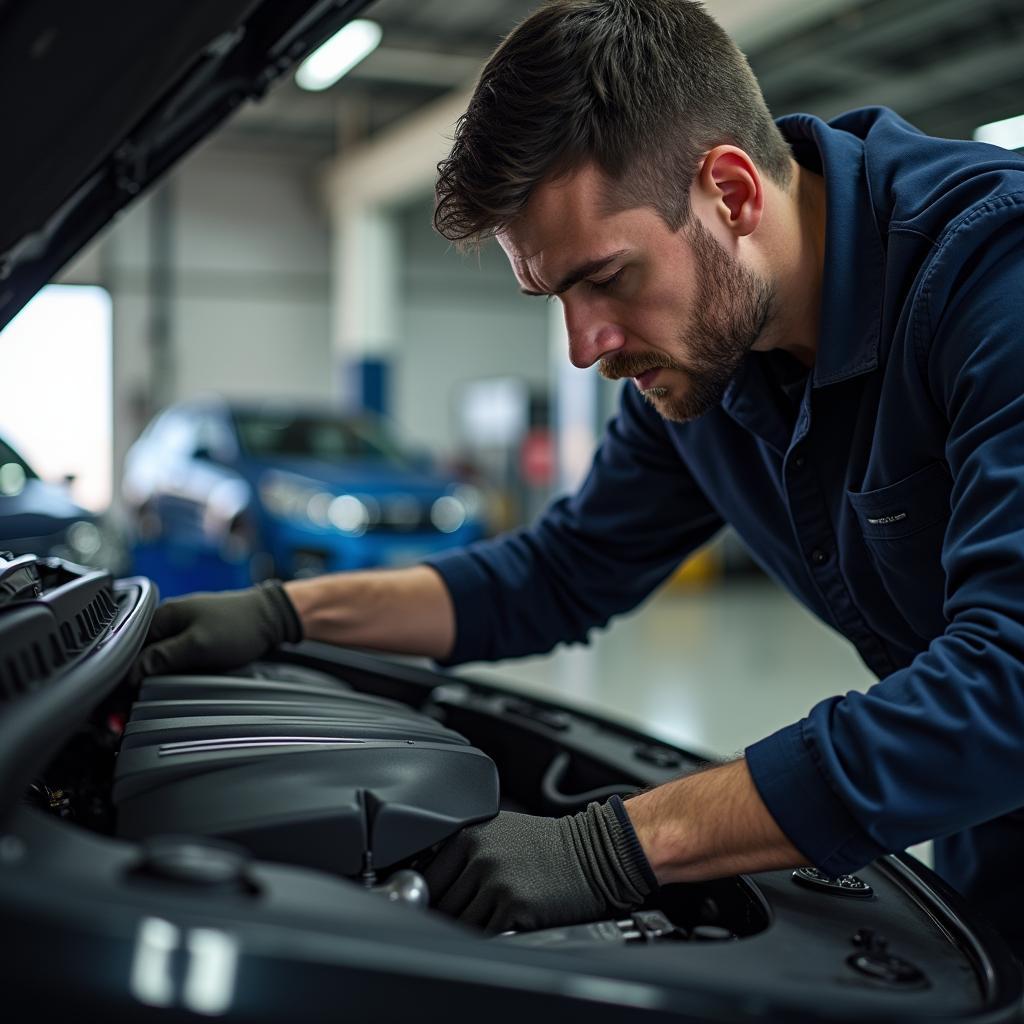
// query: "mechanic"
[[824, 328]]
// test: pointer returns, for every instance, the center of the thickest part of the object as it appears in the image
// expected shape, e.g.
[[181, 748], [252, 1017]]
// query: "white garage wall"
[[462, 318], [252, 245], [249, 285]]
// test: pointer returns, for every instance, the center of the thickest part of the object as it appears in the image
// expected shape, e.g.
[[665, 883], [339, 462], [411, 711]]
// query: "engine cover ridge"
[[318, 782]]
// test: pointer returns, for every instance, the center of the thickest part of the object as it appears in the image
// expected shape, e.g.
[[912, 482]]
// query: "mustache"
[[628, 364]]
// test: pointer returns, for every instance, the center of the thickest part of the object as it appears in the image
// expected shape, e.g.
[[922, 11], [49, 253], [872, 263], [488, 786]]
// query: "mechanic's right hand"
[[217, 632], [524, 872]]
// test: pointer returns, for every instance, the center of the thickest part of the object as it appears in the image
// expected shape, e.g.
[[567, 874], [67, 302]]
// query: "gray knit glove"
[[522, 872], [216, 632]]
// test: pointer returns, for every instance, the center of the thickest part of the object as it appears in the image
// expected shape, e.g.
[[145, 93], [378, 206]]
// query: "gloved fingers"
[[477, 901], [461, 902], [507, 908], [443, 873], [524, 872], [170, 618], [179, 653], [486, 912], [481, 896], [218, 632]]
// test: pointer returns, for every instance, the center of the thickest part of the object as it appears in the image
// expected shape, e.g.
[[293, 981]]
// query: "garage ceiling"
[[946, 65]]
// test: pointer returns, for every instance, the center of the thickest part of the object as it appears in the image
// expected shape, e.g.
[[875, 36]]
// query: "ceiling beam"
[[417, 67]]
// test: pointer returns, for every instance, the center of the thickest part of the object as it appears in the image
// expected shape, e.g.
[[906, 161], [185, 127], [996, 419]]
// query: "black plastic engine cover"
[[315, 778]]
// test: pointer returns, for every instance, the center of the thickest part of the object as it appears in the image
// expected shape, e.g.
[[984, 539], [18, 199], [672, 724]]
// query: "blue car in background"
[[37, 517], [223, 494]]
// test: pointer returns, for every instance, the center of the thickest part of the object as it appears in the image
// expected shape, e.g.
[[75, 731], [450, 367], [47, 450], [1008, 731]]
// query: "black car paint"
[[93, 909]]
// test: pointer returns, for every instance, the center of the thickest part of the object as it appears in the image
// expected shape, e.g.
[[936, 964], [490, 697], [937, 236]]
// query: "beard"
[[732, 307]]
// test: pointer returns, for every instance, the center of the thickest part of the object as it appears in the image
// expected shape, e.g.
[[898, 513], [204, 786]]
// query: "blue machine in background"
[[222, 494]]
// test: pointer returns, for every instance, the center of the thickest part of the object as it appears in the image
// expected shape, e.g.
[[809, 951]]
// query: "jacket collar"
[[854, 272]]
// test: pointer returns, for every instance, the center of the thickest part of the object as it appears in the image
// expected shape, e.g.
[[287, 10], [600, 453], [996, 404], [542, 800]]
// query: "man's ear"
[[730, 183]]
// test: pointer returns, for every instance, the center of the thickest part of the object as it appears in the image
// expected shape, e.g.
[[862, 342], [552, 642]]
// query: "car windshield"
[[329, 438]]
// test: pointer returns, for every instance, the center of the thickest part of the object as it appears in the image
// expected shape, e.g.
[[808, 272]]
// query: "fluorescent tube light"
[[342, 52], [1008, 133]]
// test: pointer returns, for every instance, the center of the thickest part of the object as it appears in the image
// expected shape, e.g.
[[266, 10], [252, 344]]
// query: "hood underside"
[[101, 99]]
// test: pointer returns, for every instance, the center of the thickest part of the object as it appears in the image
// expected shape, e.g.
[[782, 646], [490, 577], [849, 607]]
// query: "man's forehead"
[[567, 231], [528, 262], [564, 221], [513, 248], [528, 275]]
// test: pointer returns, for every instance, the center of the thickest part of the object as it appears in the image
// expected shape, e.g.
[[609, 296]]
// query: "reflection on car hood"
[[39, 509], [104, 98], [362, 476]]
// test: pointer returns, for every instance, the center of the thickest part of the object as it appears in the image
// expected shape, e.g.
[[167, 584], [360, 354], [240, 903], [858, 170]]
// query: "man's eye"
[[607, 282]]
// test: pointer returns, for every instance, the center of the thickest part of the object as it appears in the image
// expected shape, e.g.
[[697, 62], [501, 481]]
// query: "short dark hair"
[[640, 87]]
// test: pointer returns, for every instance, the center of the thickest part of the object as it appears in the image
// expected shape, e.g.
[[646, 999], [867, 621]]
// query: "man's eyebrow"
[[576, 275]]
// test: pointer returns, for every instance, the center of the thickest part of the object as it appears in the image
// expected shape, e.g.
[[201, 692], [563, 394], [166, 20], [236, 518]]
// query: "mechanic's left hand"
[[522, 872]]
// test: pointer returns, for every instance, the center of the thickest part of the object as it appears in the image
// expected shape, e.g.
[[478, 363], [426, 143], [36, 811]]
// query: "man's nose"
[[590, 336]]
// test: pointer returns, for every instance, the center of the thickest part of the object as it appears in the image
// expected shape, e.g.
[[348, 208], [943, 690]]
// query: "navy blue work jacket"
[[887, 496]]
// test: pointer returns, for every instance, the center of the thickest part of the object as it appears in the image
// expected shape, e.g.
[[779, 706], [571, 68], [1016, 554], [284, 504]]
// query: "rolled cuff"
[[286, 616], [631, 853], [798, 796]]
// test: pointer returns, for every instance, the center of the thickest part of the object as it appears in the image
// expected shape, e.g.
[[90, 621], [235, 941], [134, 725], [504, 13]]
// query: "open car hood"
[[101, 99]]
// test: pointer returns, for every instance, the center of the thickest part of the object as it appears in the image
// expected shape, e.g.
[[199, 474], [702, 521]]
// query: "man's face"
[[672, 310]]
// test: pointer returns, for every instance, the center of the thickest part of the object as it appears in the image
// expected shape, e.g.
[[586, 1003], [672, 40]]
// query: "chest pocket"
[[903, 526]]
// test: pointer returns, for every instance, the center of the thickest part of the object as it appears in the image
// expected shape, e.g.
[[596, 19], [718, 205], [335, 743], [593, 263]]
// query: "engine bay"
[[290, 764], [297, 797], [296, 769]]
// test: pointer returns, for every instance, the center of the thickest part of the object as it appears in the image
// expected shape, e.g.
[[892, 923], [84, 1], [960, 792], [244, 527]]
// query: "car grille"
[[45, 632]]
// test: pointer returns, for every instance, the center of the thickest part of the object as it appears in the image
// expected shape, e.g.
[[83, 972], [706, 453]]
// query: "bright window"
[[56, 406]]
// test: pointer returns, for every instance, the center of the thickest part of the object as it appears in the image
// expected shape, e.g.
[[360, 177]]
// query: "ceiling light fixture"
[[342, 52], [1008, 133]]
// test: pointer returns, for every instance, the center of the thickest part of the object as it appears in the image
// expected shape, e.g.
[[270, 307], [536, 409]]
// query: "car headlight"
[[448, 513], [84, 539], [318, 508], [12, 479], [349, 515], [472, 500], [286, 499], [98, 544]]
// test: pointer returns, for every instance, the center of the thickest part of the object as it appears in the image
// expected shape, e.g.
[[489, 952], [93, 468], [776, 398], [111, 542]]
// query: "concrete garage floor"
[[712, 670]]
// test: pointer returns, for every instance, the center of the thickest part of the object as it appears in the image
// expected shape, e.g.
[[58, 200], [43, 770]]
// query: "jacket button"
[[819, 556], [798, 462]]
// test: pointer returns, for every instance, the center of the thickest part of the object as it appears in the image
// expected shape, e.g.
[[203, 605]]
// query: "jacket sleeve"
[[590, 556], [937, 746]]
